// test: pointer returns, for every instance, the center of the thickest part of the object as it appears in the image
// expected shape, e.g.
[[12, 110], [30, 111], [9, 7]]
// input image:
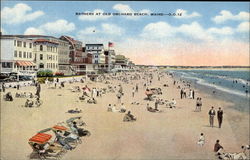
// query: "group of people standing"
[[212, 114], [184, 93]]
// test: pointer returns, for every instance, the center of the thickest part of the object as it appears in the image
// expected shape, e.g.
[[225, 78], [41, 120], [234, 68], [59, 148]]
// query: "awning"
[[25, 63]]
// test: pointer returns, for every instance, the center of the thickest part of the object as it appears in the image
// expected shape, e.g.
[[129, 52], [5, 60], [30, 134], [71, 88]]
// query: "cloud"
[[194, 30], [243, 27], [157, 30], [112, 29], [123, 8], [222, 31], [227, 15], [94, 17], [185, 14], [163, 30], [57, 27], [34, 31], [105, 29], [88, 31], [102, 34], [20, 13]]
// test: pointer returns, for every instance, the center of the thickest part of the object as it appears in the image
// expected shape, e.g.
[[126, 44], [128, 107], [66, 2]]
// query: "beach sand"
[[172, 134]]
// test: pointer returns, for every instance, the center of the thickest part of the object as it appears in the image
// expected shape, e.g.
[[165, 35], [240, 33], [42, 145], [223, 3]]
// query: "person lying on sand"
[[74, 111]]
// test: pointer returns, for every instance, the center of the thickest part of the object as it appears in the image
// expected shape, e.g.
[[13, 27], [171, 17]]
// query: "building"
[[121, 63], [17, 55], [46, 55], [76, 54], [98, 56], [63, 51], [109, 59]]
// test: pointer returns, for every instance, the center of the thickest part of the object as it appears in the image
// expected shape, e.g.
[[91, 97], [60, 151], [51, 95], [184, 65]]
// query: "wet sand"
[[172, 134]]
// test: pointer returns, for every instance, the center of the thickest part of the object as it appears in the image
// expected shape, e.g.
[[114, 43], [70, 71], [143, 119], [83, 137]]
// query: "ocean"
[[229, 85]]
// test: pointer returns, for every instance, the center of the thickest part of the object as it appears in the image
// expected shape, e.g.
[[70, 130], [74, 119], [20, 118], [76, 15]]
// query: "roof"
[[40, 138], [45, 40], [94, 44]]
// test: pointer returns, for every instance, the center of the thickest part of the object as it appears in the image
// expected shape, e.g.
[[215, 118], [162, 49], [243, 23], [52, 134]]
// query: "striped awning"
[[25, 63]]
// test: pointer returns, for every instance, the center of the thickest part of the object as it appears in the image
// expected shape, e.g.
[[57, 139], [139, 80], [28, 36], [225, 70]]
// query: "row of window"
[[49, 48], [21, 54], [93, 47], [52, 65], [7, 64], [52, 57], [20, 44]]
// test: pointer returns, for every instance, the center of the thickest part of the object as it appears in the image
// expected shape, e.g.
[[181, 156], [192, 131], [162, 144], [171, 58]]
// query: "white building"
[[46, 55], [98, 56], [63, 51], [17, 55]]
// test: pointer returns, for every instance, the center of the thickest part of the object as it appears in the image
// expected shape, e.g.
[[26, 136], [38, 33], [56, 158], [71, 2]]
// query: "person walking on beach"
[[184, 93], [133, 92], [136, 88], [197, 104], [156, 104], [220, 116], [18, 86], [211, 116], [119, 95], [38, 89], [193, 94], [3, 87], [200, 103], [181, 93]]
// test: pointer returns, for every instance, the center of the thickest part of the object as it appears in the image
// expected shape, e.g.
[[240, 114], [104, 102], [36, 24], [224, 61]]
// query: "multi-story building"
[[109, 59], [17, 55], [98, 56], [76, 55], [46, 55], [63, 51], [121, 63]]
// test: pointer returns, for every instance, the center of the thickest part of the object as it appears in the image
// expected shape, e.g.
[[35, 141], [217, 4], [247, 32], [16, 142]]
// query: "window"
[[41, 65], [41, 47], [20, 54], [24, 44], [30, 55], [30, 45], [15, 53], [7, 64], [14, 42], [19, 43], [41, 57], [24, 54], [96, 61]]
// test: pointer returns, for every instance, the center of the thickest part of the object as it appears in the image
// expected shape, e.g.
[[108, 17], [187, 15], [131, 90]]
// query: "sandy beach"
[[171, 134]]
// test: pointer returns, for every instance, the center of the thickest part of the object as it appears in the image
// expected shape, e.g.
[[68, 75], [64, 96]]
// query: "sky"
[[190, 33]]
